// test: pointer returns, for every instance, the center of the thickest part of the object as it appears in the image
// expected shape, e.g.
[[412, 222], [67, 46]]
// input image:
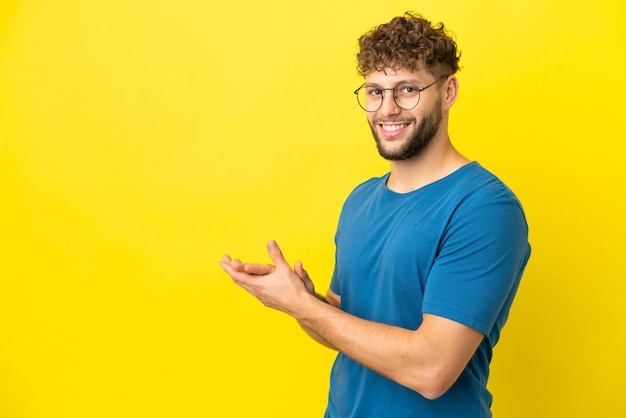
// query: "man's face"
[[403, 134]]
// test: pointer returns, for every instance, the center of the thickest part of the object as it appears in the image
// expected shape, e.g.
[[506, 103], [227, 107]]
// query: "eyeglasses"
[[405, 95]]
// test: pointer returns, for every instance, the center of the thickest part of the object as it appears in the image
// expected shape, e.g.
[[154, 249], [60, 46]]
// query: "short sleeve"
[[480, 262]]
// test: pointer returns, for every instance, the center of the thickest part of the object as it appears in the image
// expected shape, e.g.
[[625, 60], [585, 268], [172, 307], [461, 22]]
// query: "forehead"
[[390, 76]]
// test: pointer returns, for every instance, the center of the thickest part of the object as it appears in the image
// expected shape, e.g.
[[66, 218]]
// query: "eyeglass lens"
[[406, 96]]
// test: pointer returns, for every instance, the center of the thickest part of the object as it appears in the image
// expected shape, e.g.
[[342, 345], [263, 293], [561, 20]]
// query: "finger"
[[238, 277], [227, 268], [259, 269], [304, 276], [238, 265], [276, 254], [300, 271]]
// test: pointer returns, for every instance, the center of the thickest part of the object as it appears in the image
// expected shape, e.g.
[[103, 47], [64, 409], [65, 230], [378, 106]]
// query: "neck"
[[437, 161]]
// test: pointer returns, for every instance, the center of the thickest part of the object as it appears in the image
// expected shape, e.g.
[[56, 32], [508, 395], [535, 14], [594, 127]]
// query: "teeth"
[[394, 127]]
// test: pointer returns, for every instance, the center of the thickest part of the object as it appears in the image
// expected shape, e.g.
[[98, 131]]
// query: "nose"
[[389, 105]]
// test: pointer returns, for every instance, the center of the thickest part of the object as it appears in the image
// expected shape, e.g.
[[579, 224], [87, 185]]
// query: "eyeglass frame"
[[419, 94]]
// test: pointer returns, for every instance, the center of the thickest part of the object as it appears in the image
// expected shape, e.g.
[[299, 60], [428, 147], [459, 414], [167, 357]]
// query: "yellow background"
[[140, 140]]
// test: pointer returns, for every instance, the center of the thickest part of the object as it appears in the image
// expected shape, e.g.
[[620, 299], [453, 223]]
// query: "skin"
[[419, 134], [427, 360]]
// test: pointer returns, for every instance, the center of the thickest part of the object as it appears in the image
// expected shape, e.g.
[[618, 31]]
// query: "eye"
[[373, 92], [407, 90]]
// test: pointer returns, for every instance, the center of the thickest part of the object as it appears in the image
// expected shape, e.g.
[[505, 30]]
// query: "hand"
[[250, 268], [304, 276], [263, 269], [276, 286]]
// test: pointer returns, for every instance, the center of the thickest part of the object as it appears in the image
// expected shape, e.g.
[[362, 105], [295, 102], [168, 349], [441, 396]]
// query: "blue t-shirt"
[[455, 248]]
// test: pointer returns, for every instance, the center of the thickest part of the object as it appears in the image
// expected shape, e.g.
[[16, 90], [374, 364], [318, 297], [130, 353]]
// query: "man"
[[428, 256]]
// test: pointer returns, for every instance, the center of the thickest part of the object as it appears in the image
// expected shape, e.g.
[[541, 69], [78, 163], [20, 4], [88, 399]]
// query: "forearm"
[[372, 344], [317, 338], [411, 358], [313, 334]]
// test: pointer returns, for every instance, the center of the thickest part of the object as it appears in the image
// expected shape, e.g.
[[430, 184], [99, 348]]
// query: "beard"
[[417, 141]]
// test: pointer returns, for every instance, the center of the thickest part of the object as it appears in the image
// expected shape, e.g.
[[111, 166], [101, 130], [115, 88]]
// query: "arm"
[[333, 300], [428, 360]]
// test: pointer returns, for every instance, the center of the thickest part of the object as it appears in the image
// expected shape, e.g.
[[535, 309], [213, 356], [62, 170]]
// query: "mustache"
[[403, 119]]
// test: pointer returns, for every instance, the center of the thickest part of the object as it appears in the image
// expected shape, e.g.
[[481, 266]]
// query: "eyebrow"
[[407, 81]]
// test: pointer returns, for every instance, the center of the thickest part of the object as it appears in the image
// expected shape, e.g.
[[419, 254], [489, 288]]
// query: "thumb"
[[276, 254]]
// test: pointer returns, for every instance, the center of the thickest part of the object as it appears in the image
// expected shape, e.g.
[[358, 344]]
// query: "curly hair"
[[408, 42]]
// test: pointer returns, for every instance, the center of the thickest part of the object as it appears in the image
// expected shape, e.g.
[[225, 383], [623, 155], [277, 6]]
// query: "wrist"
[[320, 297], [308, 308]]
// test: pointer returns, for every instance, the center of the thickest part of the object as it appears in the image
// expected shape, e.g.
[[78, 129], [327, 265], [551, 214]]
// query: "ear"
[[450, 91]]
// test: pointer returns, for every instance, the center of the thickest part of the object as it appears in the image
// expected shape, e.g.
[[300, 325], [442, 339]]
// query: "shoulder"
[[477, 203], [372, 183], [363, 197], [368, 188], [475, 185], [484, 206]]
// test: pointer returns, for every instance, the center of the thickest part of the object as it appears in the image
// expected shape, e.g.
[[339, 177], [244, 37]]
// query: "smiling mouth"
[[393, 127], [390, 130]]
